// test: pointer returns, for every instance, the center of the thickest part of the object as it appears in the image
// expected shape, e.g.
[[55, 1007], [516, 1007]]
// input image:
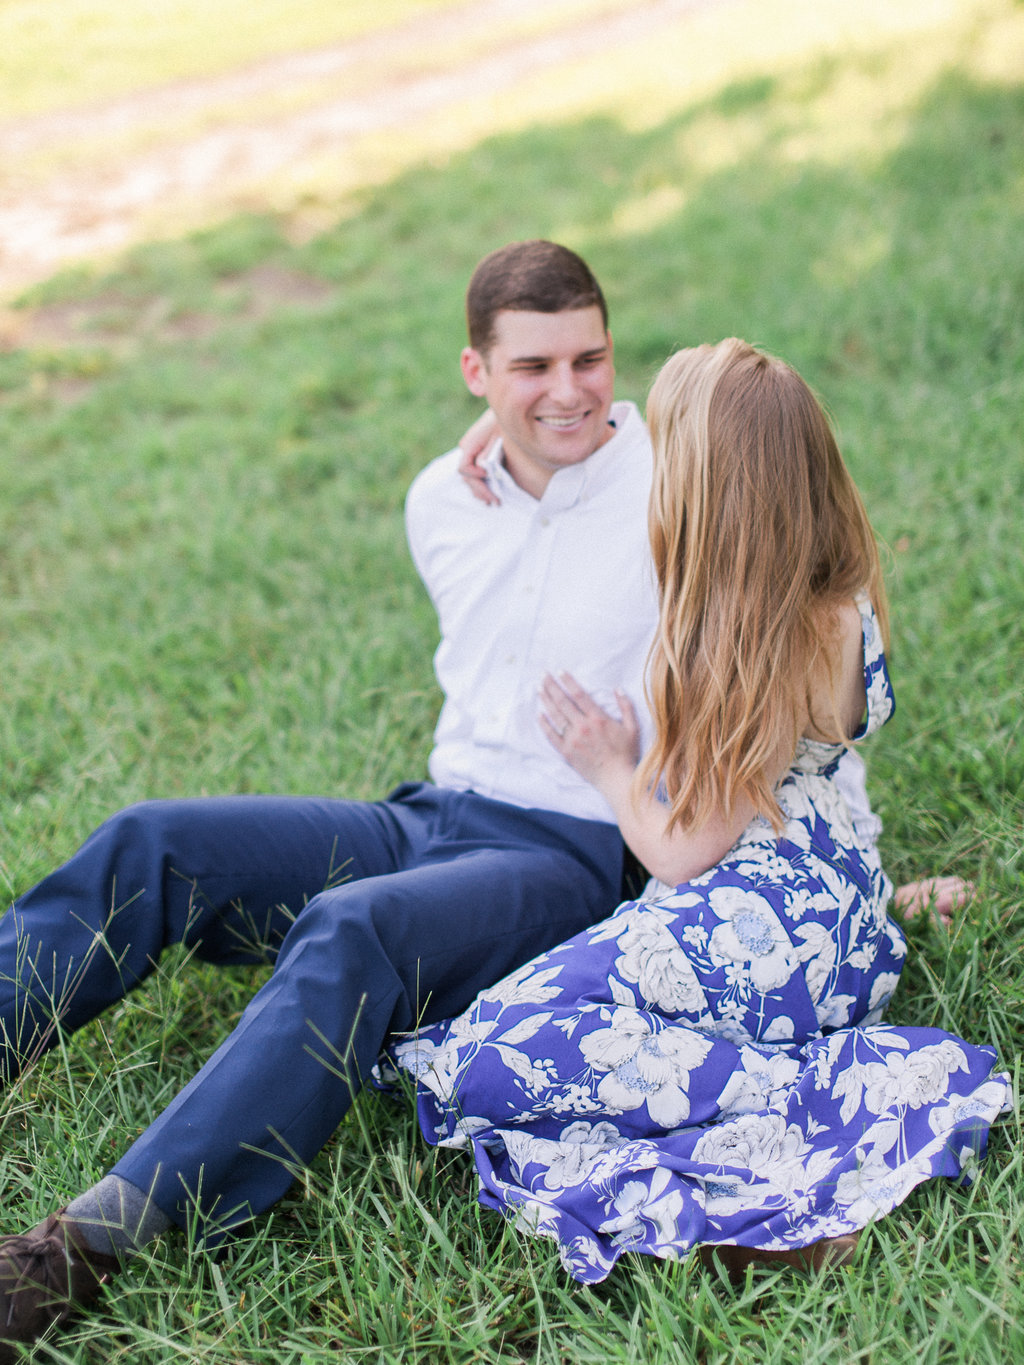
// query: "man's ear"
[[474, 372]]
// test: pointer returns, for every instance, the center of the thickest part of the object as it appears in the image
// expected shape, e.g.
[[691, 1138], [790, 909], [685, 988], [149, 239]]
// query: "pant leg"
[[226, 875], [363, 961]]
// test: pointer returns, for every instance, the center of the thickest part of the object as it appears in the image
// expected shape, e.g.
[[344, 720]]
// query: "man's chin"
[[573, 449]]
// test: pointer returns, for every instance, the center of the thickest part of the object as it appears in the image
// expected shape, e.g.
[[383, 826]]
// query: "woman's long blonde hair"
[[758, 533]]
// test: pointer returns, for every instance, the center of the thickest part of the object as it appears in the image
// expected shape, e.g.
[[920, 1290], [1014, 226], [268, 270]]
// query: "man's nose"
[[564, 387]]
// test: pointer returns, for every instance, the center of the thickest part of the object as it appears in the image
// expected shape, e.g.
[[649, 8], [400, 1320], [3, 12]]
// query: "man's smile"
[[561, 423]]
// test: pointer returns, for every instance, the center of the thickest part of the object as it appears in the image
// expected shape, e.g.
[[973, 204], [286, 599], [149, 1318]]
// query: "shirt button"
[[511, 659], [545, 521]]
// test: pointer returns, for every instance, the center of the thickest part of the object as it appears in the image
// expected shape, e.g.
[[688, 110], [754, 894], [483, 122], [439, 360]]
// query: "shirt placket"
[[513, 680]]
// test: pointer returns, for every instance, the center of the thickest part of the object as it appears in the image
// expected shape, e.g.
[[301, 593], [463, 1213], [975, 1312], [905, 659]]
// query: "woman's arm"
[[474, 445], [843, 699], [605, 752]]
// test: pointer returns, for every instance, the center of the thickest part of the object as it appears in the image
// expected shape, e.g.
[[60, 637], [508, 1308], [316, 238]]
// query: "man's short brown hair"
[[528, 277]]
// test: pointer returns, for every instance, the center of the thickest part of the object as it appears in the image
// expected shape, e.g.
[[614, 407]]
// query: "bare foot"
[[942, 896]]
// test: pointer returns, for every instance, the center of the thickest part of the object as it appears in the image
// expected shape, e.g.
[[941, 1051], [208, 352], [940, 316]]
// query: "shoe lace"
[[46, 1272]]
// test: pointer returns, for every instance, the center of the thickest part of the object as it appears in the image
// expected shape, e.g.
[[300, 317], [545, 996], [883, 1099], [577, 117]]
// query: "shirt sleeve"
[[851, 781], [422, 512]]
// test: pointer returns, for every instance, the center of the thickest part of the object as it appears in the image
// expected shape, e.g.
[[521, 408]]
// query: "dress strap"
[[881, 699]]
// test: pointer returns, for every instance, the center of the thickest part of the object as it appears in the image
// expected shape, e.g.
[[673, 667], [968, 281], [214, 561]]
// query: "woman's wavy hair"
[[758, 533]]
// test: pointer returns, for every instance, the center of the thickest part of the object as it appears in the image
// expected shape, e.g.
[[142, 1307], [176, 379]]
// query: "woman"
[[688, 1071]]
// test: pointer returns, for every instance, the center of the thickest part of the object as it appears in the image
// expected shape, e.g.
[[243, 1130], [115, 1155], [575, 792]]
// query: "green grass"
[[203, 587]]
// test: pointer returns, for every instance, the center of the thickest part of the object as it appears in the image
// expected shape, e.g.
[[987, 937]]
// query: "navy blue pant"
[[375, 916]]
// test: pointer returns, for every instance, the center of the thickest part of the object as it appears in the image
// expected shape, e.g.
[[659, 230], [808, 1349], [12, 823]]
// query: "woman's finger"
[[555, 732], [556, 697], [577, 694]]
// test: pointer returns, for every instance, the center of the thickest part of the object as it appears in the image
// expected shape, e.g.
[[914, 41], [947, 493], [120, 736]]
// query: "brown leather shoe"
[[823, 1255], [46, 1275]]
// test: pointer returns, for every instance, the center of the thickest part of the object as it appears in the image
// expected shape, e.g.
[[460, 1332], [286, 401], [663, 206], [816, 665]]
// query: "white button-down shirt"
[[563, 583]]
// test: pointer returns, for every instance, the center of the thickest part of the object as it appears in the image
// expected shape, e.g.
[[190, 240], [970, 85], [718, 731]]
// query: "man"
[[375, 915]]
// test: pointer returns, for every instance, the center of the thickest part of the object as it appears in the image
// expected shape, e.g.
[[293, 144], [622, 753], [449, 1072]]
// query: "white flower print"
[[897, 943], [764, 1144], [416, 1055], [653, 960], [467, 1126], [799, 810], [988, 1101], [851, 1078], [871, 636], [751, 936], [875, 1188], [573, 1099], [729, 1025], [881, 993], [760, 1077], [914, 1078], [678, 900], [435, 1067], [644, 1066], [778, 1030], [836, 1011], [766, 866], [579, 1255], [727, 1195], [567, 1161], [536, 1076], [616, 923], [877, 690], [533, 1216], [638, 1204], [525, 986], [818, 954]]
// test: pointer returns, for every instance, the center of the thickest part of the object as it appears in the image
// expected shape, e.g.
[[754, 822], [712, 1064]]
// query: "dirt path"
[[196, 158]]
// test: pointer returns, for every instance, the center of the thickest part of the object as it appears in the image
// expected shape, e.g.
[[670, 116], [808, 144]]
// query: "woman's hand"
[[474, 445], [603, 750]]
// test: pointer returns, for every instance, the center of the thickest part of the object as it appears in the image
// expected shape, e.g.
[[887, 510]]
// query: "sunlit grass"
[[59, 53]]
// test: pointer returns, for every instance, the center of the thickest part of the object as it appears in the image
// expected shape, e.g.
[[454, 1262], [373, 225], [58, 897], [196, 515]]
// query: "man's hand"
[[942, 896], [474, 446], [604, 751]]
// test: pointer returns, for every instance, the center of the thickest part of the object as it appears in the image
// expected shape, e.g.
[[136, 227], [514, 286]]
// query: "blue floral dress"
[[708, 1065]]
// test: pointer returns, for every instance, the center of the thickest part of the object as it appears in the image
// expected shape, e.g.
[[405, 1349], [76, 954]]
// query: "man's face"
[[549, 379]]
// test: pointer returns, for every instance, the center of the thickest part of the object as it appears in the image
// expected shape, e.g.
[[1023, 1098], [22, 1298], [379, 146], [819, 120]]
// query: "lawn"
[[61, 53], [204, 588]]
